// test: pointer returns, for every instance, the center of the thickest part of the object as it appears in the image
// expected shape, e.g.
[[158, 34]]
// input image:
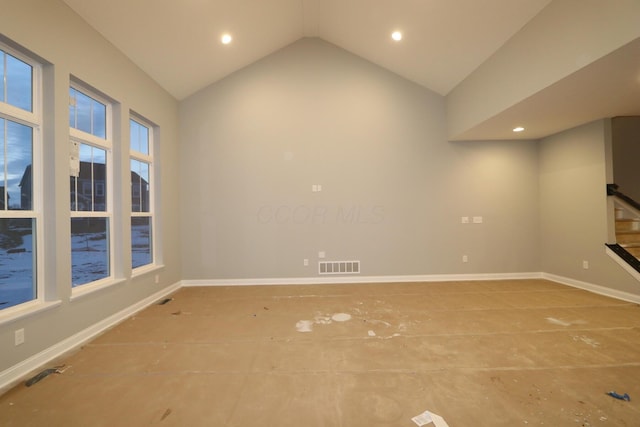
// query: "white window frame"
[[106, 144], [32, 119], [150, 160]]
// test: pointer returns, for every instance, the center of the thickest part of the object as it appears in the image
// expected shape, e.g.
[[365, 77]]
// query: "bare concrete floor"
[[494, 353]]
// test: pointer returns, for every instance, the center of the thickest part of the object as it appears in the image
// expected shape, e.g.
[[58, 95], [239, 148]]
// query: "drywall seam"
[[11, 376]]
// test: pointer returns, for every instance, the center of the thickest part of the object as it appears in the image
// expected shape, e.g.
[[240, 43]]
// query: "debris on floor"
[[321, 319], [559, 322], [619, 396], [429, 417], [42, 375], [304, 326], [164, 301], [589, 341], [166, 414]]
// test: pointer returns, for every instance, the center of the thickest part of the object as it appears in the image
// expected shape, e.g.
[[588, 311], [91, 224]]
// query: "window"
[[90, 187], [20, 188], [141, 159]]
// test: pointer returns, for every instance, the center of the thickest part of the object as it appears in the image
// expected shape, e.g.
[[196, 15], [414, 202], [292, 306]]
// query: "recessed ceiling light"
[[518, 129], [226, 38], [396, 35]]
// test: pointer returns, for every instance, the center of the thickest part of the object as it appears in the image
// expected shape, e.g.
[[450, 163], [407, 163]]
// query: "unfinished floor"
[[489, 353]]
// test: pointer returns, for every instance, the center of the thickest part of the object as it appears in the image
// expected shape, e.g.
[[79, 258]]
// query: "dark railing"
[[626, 256], [612, 190]]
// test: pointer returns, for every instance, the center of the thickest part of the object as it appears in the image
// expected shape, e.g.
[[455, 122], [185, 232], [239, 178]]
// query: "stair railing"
[[612, 190], [630, 207]]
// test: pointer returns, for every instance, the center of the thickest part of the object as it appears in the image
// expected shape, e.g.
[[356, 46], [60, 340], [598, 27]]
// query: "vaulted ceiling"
[[178, 44]]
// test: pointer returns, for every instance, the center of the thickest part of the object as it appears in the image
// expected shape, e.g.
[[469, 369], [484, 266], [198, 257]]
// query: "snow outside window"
[[90, 188], [142, 187]]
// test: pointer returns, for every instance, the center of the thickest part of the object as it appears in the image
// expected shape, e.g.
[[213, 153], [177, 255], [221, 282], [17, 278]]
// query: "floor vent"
[[339, 267]]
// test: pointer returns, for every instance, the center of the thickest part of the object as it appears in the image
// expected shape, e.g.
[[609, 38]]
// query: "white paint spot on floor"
[[341, 317], [559, 322], [589, 341], [322, 320], [379, 322], [371, 334], [304, 326]]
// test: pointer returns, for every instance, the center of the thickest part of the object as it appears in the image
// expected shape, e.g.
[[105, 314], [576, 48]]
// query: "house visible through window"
[[141, 193], [19, 144], [91, 216]]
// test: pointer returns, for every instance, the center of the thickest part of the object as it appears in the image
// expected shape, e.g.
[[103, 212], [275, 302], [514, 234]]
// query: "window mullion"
[[4, 76], [91, 181], [5, 171]]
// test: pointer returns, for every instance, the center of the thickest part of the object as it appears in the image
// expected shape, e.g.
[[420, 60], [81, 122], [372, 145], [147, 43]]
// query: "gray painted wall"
[[626, 154], [52, 31], [573, 208], [393, 188]]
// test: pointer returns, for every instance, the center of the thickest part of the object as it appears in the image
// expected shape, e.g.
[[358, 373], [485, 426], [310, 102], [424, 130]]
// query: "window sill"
[[84, 290], [21, 311], [146, 269]]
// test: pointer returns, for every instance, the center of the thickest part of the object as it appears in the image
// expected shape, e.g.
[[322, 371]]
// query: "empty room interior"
[[320, 212]]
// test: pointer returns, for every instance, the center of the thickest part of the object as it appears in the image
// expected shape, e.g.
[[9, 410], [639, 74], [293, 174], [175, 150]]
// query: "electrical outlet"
[[477, 220], [157, 279], [464, 220], [321, 254], [305, 262], [19, 336], [465, 258], [585, 265]]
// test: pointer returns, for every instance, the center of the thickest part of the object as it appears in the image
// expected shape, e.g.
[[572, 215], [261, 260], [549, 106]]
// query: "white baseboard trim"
[[15, 374], [361, 279], [608, 292]]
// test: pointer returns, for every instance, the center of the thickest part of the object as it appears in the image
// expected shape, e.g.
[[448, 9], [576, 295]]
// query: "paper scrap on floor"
[[429, 417]]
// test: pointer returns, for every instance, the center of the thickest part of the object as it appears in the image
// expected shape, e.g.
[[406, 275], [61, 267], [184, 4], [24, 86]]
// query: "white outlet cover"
[[464, 220], [321, 254], [477, 220]]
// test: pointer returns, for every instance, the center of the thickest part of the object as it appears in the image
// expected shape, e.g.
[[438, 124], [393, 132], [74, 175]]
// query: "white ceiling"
[[608, 87], [178, 42]]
